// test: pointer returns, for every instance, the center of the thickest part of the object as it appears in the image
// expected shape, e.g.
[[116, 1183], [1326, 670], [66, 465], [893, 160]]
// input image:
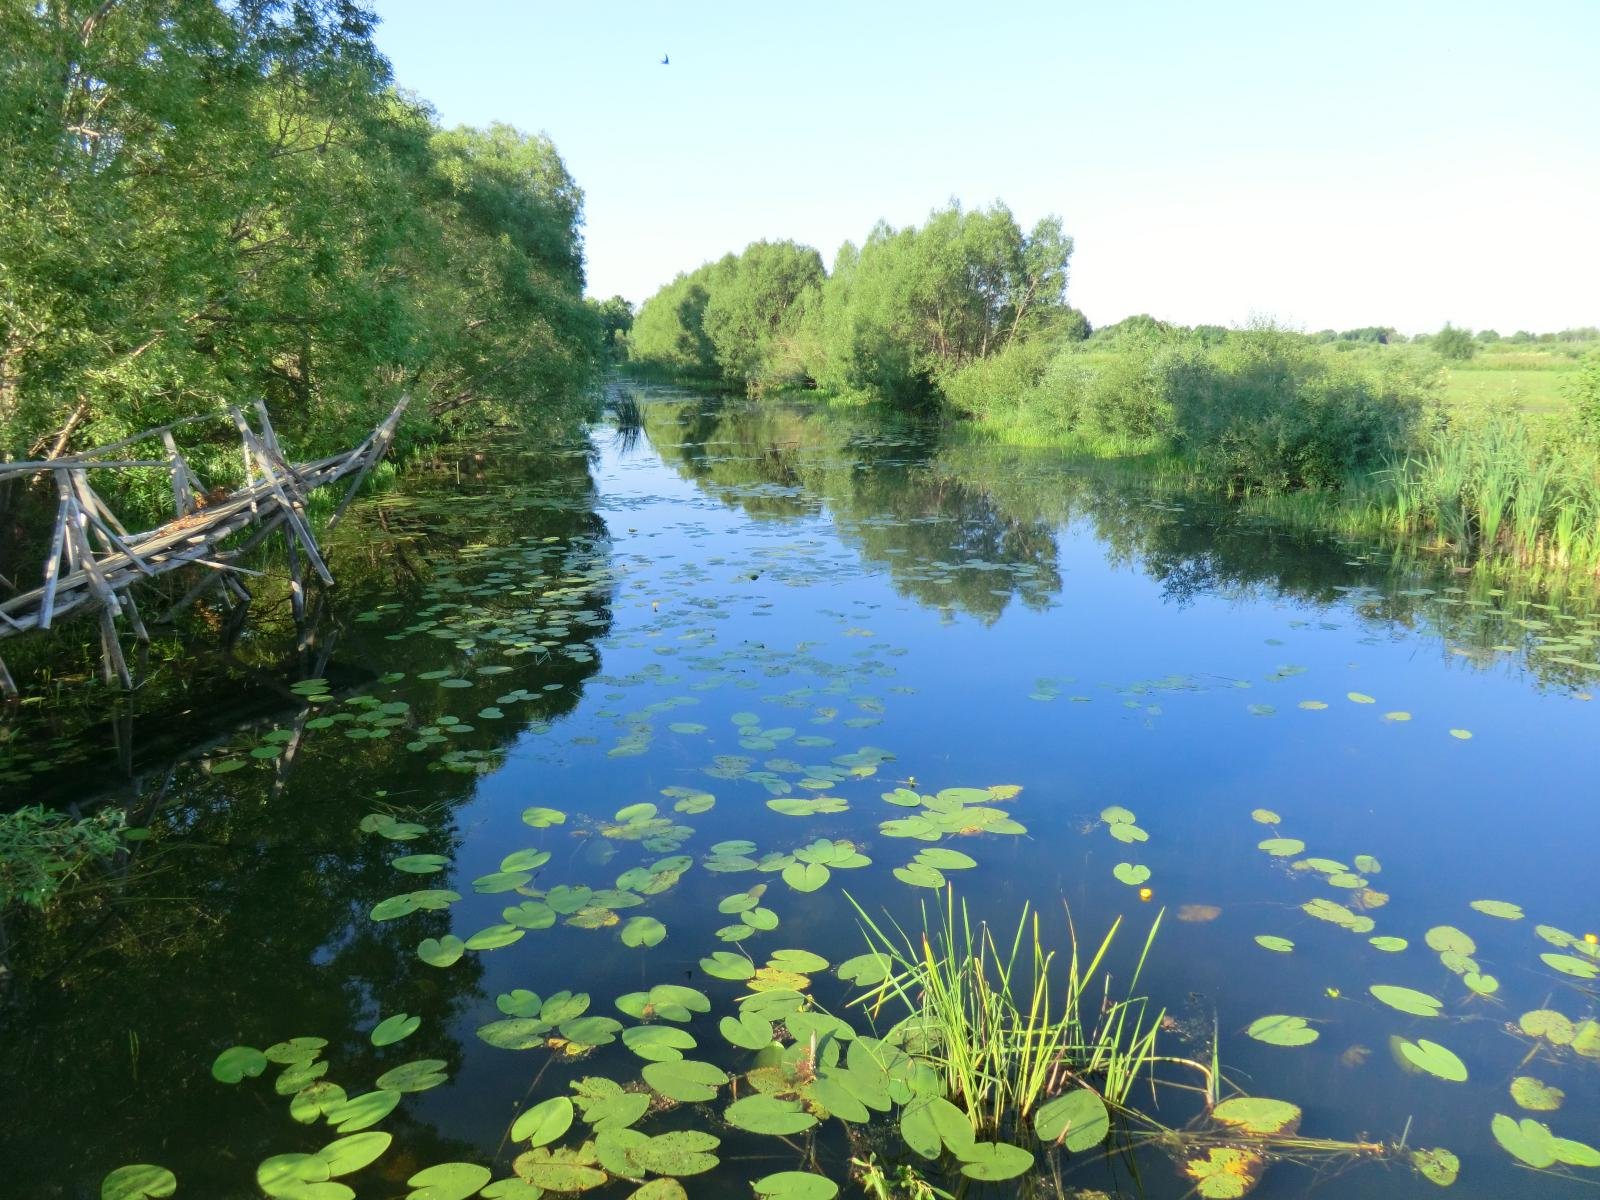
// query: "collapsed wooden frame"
[[93, 561]]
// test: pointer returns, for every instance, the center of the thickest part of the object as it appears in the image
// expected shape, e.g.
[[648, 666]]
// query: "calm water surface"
[[770, 604]]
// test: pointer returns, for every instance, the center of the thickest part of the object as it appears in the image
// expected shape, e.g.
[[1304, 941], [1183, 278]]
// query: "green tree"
[[1454, 344], [752, 312]]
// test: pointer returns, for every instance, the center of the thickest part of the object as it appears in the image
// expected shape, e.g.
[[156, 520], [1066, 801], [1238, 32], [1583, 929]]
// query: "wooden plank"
[[291, 511], [52, 567], [182, 495]]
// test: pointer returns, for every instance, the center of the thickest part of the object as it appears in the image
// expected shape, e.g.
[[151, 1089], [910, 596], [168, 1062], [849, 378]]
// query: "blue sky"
[[1323, 165]]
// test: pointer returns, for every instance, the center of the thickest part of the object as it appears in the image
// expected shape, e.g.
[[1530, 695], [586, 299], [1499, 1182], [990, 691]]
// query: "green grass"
[[1005, 1026], [1507, 383]]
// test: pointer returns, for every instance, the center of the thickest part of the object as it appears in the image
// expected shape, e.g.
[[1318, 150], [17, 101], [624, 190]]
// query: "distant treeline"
[[894, 315], [207, 201], [967, 314]]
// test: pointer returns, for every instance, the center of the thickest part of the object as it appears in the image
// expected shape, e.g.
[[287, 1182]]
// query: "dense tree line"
[[208, 201], [895, 315]]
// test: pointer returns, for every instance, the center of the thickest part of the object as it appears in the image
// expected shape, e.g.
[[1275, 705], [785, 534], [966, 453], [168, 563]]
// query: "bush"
[[41, 851], [1457, 345], [1267, 412]]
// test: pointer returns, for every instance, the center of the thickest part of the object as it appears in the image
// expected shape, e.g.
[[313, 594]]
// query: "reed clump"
[[1006, 1023]]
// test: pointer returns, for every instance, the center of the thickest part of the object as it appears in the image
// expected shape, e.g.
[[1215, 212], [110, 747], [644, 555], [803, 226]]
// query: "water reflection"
[[244, 918]]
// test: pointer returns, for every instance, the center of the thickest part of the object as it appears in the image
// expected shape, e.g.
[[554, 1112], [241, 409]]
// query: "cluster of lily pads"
[[1527, 1139]]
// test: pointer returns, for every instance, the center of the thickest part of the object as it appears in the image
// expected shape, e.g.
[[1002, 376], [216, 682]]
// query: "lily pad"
[[1131, 874], [416, 1076], [1224, 1172], [795, 1185], [724, 964], [805, 877], [363, 1111], [1432, 1058], [1536, 1096], [1259, 1115], [992, 1161], [349, 1154], [395, 1029], [643, 931], [136, 1181], [1437, 1165], [1503, 909], [1527, 1140], [658, 1043], [1078, 1120], [544, 1122], [685, 1080], [1268, 941], [1281, 1030], [769, 1115], [448, 1181], [237, 1062], [1407, 1000], [441, 952]]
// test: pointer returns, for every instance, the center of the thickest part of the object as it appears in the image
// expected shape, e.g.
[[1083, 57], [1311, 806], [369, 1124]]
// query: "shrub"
[[41, 851], [1267, 412]]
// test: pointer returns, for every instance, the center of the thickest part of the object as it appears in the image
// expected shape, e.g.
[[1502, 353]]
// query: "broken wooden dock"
[[93, 562]]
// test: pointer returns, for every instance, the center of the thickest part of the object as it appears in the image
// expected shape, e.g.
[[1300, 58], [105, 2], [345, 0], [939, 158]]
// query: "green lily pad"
[[1432, 1058], [1437, 1165], [1390, 945], [1268, 941], [590, 1031], [448, 1181], [1503, 909], [685, 1080], [805, 877], [420, 864], [511, 1189], [795, 1185], [544, 1122], [678, 1153], [658, 1043], [1281, 847], [287, 1175], [1571, 964], [769, 1115], [349, 1154], [1281, 1030], [1447, 939], [1527, 1140], [1131, 874], [747, 1031], [643, 931], [991, 1161], [1259, 1115], [363, 1111], [493, 937], [237, 1062], [1535, 1096], [1078, 1120], [395, 1029], [136, 1181], [416, 1076], [315, 1101], [724, 964], [544, 1170], [441, 952], [919, 874], [1407, 1000]]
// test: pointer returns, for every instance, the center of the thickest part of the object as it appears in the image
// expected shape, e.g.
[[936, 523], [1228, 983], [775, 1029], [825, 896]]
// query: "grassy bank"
[[1375, 441]]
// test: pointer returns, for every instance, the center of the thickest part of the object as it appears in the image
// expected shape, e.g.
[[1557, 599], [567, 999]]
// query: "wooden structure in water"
[[93, 562]]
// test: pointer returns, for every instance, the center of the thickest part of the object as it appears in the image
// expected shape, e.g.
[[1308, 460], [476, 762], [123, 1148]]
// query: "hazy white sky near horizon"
[[1399, 163]]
